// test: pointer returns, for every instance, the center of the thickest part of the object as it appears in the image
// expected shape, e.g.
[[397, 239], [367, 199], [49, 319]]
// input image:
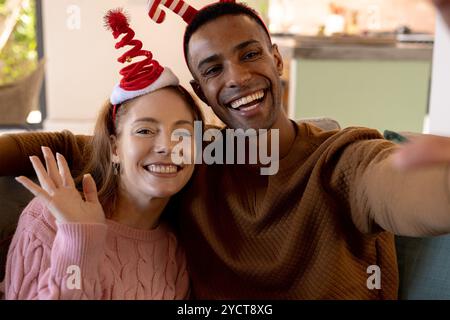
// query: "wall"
[[384, 95], [82, 65], [305, 16], [440, 93]]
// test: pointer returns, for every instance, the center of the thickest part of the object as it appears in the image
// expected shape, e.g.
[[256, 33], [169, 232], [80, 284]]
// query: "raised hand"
[[59, 194]]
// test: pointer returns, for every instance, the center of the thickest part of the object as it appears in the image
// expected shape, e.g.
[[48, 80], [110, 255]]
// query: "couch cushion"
[[13, 199], [424, 267], [323, 123]]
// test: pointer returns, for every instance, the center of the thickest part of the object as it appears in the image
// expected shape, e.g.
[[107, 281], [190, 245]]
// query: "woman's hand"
[[59, 194]]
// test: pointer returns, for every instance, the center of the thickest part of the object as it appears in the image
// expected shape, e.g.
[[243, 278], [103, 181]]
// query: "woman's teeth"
[[246, 100], [162, 168]]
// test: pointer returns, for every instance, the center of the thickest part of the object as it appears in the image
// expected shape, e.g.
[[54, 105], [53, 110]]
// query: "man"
[[427, 150], [316, 228]]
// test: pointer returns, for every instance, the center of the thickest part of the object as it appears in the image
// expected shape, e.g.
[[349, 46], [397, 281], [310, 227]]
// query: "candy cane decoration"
[[178, 6]]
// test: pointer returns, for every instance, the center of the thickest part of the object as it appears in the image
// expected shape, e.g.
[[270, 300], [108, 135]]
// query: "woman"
[[114, 243]]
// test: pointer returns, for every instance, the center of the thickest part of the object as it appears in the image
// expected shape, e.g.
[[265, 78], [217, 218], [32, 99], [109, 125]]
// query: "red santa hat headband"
[[141, 77], [180, 7]]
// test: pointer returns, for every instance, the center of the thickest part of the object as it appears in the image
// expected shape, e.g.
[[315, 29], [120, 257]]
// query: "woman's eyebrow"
[[183, 122], [146, 119]]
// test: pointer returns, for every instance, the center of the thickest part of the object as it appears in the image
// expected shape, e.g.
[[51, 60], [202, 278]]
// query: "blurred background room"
[[373, 63]]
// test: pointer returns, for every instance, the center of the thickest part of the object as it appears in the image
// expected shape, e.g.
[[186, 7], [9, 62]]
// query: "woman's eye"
[[181, 133], [145, 131]]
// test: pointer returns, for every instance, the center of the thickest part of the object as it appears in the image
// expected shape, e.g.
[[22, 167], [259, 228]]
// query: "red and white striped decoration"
[[180, 7]]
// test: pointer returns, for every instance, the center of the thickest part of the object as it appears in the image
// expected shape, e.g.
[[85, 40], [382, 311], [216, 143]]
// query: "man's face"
[[238, 71]]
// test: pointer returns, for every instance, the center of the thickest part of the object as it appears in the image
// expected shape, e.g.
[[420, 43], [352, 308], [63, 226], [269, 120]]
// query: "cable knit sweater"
[[114, 261]]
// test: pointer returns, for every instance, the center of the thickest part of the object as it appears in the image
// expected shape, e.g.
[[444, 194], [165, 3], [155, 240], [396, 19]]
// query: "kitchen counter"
[[376, 82], [352, 48]]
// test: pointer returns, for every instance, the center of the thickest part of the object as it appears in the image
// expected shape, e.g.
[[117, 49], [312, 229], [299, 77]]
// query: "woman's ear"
[[114, 149]]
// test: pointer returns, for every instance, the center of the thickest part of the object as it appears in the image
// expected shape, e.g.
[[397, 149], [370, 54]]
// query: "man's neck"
[[287, 134]]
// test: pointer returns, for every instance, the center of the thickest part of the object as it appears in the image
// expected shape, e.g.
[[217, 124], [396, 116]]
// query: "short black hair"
[[215, 11]]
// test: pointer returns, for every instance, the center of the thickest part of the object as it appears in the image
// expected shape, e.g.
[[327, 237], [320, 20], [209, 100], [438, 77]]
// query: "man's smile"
[[248, 104], [248, 101]]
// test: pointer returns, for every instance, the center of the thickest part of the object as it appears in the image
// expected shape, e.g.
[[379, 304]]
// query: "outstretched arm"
[[405, 202], [15, 150]]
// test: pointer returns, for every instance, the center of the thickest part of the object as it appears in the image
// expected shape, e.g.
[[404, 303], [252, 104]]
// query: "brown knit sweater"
[[309, 232]]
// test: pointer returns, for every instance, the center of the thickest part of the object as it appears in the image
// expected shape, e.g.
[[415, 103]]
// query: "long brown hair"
[[100, 164]]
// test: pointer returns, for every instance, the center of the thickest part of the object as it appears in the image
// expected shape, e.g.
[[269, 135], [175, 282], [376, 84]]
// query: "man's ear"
[[198, 91], [278, 59]]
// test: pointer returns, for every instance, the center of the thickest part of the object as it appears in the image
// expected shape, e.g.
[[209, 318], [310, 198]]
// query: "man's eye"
[[212, 71], [251, 55]]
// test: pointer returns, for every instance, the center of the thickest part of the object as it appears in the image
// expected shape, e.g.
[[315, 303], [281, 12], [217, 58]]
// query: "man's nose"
[[237, 75]]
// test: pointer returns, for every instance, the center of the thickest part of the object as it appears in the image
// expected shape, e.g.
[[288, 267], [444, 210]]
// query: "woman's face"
[[144, 147]]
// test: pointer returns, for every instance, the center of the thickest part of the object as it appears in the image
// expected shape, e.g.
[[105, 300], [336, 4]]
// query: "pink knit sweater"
[[49, 260]]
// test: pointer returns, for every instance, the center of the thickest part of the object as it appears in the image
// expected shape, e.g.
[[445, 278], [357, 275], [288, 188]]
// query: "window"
[[21, 47]]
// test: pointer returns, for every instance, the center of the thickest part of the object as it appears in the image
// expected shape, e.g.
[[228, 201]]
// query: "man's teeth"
[[162, 168], [246, 100]]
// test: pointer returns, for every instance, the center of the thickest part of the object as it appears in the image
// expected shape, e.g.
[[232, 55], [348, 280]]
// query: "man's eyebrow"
[[245, 44], [215, 57], [210, 59]]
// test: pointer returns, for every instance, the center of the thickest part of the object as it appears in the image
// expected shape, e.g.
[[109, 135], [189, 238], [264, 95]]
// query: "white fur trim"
[[166, 79]]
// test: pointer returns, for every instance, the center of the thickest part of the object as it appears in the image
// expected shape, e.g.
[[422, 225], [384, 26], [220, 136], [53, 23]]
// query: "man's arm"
[[15, 150], [411, 203]]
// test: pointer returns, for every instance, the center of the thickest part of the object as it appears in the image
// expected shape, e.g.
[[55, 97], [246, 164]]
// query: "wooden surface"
[[352, 48]]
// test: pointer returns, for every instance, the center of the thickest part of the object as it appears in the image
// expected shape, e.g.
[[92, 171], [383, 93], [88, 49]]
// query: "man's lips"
[[247, 101]]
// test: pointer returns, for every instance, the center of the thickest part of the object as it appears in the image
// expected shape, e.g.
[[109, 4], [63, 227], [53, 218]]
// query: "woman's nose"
[[163, 144], [161, 149]]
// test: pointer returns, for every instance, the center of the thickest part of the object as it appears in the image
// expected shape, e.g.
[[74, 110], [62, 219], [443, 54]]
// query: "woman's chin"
[[165, 192]]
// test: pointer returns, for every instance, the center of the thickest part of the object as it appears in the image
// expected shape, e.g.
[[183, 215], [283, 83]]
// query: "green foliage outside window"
[[18, 58]]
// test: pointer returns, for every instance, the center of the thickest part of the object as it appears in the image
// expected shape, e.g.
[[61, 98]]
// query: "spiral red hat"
[[141, 77]]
